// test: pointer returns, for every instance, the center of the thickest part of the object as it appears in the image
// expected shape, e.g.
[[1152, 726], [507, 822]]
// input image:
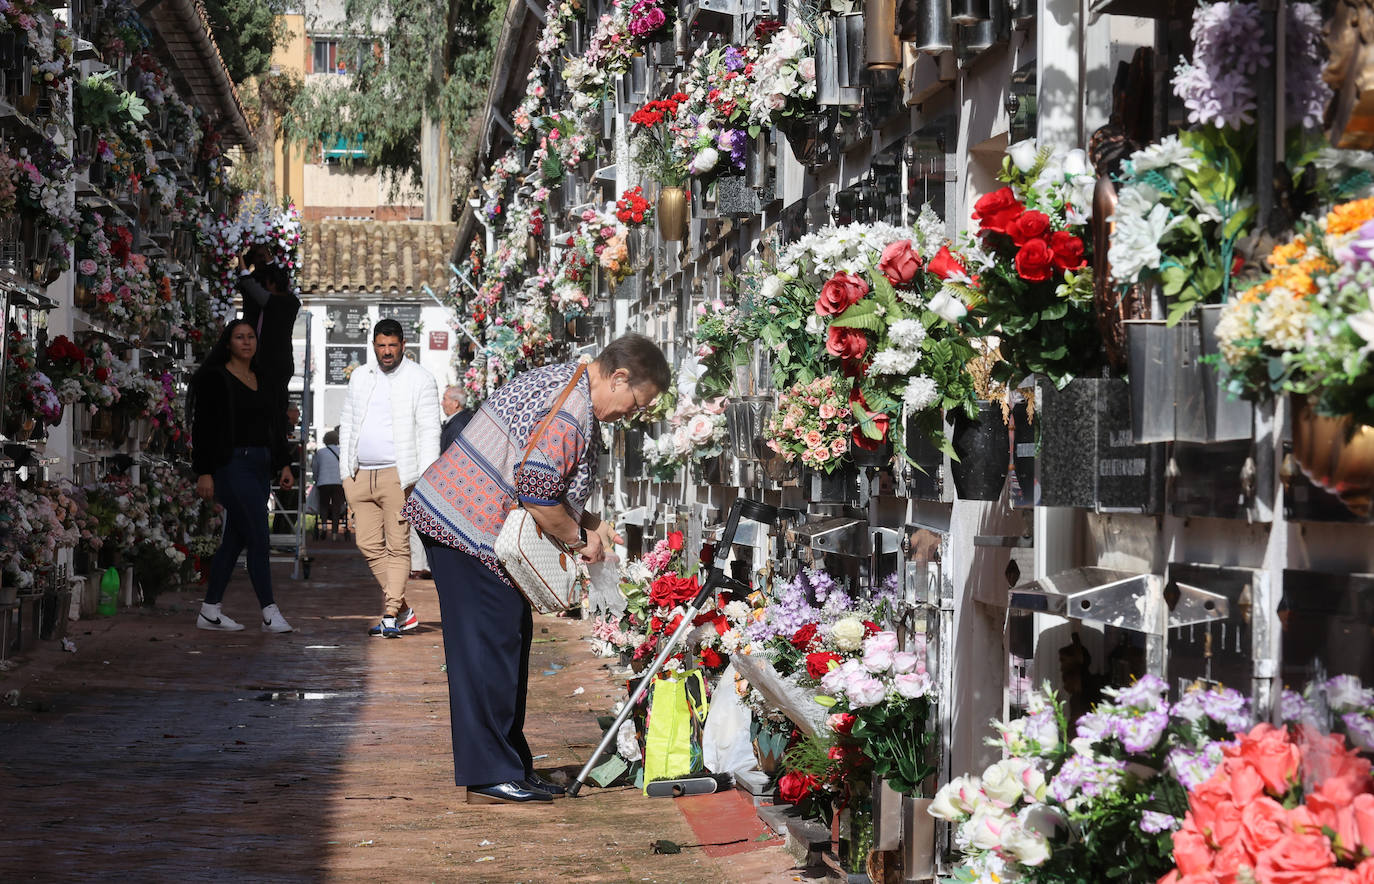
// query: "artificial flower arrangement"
[[632, 209], [696, 431], [1185, 208], [1308, 328], [1028, 278], [657, 588], [565, 141], [1341, 704], [41, 180], [871, 303], [783, 78], [1286, 804], [610, 48], [29, 394], [1099, 802], [654, 140], [254, 222]]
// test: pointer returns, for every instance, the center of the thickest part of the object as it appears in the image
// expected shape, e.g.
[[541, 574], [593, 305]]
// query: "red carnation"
[[1035, 261], [846, 343], [996, 210], [1068, 250], [1030, 225], [945, 264], [840, 292], [710, 659], [818, 664], [871, 628], [802, 638]]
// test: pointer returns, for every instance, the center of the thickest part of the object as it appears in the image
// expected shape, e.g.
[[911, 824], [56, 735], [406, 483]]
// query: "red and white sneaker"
[[407, 620]]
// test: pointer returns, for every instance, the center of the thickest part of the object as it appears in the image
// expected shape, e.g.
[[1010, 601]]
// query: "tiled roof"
[[383, 257]]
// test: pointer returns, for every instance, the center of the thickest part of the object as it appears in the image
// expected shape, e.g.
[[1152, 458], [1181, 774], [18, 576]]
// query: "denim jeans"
[[242, 487]]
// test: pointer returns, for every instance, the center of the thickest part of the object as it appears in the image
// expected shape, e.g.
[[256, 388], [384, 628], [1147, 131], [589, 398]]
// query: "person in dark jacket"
[[456, 416], [238, 439], [270, 307]]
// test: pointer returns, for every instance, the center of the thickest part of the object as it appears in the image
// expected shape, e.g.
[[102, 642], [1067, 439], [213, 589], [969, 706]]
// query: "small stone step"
[[806, 840]]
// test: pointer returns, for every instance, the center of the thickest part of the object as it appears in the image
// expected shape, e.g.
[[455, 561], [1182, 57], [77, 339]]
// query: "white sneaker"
[[212, 618], [273, 621]]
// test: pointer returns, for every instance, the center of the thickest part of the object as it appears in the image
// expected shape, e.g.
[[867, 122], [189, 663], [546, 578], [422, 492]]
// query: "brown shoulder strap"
[[553, 412]]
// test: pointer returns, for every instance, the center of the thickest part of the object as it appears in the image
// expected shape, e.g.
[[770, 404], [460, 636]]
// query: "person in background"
[[270, 307], [238, 431], [459, 506], [289, 499], [456, 416], [324, 469], [389, 434]]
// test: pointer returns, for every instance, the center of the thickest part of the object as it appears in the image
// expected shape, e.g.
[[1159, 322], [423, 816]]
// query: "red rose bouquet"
[[1029, 279], [632, 209]]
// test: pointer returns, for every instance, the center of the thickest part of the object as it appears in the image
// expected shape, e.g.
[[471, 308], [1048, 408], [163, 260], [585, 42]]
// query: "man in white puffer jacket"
[[388, 437]]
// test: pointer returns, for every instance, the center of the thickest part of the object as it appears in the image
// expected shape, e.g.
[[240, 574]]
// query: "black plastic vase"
[[983, 450]]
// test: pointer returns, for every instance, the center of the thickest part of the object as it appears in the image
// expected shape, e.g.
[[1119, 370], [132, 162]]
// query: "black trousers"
[[488, 628]]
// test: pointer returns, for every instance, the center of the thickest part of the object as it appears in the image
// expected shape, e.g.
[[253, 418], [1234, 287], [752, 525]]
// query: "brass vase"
[[1336, 453], [882, 49], [672, 213]]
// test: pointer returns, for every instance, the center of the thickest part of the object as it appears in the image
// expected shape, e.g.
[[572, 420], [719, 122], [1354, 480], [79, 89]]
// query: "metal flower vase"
[[1336, 453], [745, 420], [982, 448], [882, 49], [932, 30], [672, 213]]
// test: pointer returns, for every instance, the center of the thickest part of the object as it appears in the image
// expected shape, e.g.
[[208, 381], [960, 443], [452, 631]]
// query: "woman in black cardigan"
[[238, 438]]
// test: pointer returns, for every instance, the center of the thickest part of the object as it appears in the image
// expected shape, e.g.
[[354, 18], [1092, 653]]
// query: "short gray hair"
[[457, 394]]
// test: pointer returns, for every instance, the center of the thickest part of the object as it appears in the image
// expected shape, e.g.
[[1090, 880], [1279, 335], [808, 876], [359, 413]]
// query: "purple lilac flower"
[[789, 612], [1215, 84], [1086, 777], [734, 58], [1146, 693], [1142, 734], [1154, 822], [1360, 730]]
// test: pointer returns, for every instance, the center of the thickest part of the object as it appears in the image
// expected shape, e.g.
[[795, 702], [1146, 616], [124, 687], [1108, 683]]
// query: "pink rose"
[[1273, 756], [1191, 853], [827, 411], [1263, 822], [806, 68], [839, 446], [899, 262], [1296, 859], [812, 439]]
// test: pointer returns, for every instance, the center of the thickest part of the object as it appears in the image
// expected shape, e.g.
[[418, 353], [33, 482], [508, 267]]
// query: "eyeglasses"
[[638, 406]]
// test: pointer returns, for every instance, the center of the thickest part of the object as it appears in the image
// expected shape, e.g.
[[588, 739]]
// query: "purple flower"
[[1193, 767], [1094, 727], [1142, 734], [1146, 693], [734, 58], [1360, 730], [1154, 822], [1084, 776], [1361, 248]]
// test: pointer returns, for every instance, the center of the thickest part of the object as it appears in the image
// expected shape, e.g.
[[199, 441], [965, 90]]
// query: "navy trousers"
[[242, 487], [488, 628]]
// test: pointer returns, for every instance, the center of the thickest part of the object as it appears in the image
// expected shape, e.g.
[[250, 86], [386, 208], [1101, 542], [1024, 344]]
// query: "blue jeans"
[[242, 487]]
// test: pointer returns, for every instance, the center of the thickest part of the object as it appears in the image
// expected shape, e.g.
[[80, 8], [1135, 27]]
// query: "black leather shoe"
[[499, 793], [535, 781]]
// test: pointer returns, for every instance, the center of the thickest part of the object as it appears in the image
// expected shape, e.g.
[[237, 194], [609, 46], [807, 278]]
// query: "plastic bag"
[[725, 745], [678, 709], [603, 588]]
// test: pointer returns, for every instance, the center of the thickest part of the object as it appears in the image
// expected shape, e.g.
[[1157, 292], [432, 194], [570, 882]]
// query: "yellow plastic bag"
[[672, 738]]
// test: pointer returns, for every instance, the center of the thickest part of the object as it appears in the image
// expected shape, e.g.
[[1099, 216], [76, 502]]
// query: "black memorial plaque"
[[407, 314], [348, 325], [337, 361]]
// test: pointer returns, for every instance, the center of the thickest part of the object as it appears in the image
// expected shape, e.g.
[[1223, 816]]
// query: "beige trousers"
[[376, 497]]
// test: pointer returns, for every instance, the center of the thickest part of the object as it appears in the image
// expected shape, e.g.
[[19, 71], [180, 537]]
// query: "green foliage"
[[246, 32], [433, 61], [896, 737], [100, 105]]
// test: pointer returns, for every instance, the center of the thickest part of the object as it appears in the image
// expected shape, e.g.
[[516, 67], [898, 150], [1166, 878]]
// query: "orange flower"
[[1350, 216]]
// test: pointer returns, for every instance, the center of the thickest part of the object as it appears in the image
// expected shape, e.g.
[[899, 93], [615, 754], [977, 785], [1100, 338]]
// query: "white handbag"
[[548, 574]]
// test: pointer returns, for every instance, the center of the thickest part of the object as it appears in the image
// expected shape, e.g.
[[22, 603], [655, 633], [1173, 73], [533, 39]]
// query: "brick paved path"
[[160, 752]]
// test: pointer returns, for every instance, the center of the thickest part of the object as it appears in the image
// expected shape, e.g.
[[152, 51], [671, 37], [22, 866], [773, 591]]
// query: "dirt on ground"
[[161, 752]]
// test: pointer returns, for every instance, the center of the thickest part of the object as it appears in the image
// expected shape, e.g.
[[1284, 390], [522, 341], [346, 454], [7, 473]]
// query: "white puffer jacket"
[[414, 419]]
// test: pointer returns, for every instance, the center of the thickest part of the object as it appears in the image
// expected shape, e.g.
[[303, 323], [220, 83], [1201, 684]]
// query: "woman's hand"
[[205, 487], [595, 550], [288, 479], [609, 538]]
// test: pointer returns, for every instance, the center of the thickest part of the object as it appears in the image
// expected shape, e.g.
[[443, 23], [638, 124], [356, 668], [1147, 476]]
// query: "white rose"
[[1029, 848], [1002, 782], [903, 662], [1024, 154], [705, 160], [772, 287], [1076, 163], [848, 634], [984, 829], [950, 803], [807, 69], [947, 306], [700, 428], [1033, 783]]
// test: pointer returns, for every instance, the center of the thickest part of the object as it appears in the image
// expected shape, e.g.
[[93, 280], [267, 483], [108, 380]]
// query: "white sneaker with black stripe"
[[273, 621], [211, 617]]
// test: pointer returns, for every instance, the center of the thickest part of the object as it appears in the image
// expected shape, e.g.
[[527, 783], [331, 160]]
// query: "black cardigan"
[[212, 424]]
